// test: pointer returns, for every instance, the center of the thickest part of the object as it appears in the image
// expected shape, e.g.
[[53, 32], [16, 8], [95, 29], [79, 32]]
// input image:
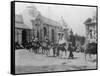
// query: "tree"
[[79, 38], [88, 20], [72, 38], [82, 40]]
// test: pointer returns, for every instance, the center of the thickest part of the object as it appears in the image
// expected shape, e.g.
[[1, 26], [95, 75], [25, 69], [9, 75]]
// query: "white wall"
[[5, 38]]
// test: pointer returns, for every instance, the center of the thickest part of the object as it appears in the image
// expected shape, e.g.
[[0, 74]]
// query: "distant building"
[[65, 29], [22, 31], [45, 27], [91, 30]]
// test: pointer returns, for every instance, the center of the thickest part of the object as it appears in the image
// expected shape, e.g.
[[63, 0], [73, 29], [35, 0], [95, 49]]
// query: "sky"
[[74, 16]]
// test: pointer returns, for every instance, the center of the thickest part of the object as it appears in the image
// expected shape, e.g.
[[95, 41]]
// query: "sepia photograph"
[[54, 37]]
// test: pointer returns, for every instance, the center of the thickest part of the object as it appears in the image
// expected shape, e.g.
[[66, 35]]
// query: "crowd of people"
[[44, 47], [35, 45]]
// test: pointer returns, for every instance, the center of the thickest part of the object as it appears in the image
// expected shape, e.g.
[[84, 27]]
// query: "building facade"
[[42, 27], [91, 30], [45, 27], [22, 31]]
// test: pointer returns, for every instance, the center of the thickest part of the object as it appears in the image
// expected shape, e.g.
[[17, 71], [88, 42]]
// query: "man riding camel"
[[61, 40], [61, 44]]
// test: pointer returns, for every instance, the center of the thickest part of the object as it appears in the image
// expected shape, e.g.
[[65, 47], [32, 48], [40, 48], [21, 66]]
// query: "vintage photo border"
[[12, 65]]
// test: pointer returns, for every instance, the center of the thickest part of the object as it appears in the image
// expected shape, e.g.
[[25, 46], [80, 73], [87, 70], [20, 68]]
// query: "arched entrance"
[[52, 35], [24, 35], [37, 34], [45, 31]]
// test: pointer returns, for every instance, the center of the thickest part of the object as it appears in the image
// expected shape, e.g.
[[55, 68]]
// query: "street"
[[28, 62]]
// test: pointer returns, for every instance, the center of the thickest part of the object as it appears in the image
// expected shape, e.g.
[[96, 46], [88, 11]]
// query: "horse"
[[46, 45], [35, 45], [18, 46], [90, 50], [24, 44]]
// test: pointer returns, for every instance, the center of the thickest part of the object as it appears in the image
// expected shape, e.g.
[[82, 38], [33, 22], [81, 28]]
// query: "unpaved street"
[[27, 62]]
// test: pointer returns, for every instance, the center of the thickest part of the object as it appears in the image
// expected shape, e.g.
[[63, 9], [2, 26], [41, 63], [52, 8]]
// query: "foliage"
[[79, 38]]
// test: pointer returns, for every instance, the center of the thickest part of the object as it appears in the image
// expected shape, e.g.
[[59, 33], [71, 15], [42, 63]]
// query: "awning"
[[22, 26]]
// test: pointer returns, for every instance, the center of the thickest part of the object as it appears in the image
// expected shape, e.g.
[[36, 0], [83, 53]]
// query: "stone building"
[[45, 27], [22, 31], [42, 27], [91, 30], [65, 29]]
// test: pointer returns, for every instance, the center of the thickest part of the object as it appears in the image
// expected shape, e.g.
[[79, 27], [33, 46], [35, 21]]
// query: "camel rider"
[[62, 40]]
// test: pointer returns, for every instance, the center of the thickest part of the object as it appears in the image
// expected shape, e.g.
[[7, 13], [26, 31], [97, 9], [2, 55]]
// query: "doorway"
[[24, 36], [52, 35]]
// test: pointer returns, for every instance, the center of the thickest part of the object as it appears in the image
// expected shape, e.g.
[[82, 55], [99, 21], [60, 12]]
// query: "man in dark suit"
[[70, 48]]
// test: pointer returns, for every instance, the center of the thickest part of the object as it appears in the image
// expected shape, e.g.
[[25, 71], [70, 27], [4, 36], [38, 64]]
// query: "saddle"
[[63, 44]]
